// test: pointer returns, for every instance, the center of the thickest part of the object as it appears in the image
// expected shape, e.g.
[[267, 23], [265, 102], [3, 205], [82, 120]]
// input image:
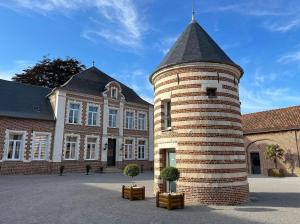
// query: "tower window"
[[211, 92], [168, 122]]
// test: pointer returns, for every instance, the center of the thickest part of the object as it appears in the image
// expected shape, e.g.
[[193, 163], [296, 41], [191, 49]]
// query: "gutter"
[[297, 147]]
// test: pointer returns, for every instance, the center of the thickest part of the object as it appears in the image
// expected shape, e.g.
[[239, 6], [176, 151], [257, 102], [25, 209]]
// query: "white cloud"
[[166, 43], [122, 21], [283, 27], [17, 67], [276, 16], [290, 57], [260, 99], [260, 78]]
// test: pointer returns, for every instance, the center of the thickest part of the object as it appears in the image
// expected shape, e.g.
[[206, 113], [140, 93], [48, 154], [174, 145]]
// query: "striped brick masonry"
[[206, 132], [196, 88]]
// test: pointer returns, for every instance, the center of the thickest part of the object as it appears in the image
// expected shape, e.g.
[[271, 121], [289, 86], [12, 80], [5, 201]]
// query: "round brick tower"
[[197, 121]]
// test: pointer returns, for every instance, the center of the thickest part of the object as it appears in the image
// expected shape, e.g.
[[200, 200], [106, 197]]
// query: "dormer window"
[[114, 93], [211, 92]]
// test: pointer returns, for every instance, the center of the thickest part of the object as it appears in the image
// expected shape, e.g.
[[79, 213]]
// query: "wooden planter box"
[[133, 193], [169, 201]]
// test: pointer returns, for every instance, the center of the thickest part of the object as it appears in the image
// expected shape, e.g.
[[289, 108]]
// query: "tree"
[[50, 73], [274, 152], [170, 174], [131, 170]]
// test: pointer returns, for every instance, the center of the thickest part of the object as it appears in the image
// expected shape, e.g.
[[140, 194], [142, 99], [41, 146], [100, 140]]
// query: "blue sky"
[[127, 39]]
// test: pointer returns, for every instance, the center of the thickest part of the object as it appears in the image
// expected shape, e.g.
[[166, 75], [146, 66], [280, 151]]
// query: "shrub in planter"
[[132, 192], [131, 170], [88, 168], [275, 153], [170, 200], [170, 174], [61, 170]]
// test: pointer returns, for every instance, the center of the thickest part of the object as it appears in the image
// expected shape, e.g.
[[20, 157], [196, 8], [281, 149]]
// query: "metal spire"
[[93, 63], [193, 13]]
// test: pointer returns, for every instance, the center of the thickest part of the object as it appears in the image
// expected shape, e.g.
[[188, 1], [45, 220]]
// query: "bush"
[[170, 174], [131, 170], [275, 173]]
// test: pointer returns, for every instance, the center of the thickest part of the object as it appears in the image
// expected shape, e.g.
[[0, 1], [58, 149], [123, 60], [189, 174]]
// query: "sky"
[[127, 39]]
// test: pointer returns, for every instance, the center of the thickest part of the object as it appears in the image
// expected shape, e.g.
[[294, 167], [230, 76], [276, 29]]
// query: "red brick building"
[[91, 119], [282, 127]]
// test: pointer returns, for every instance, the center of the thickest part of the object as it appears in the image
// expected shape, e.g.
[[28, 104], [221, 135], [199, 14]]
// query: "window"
[[141, 149], [40, 146], [92, 115], [74, 113], [128, 151], [114, 93], [91, 146], [211, 92], [129, 120], [71, 147], [15, 146], [168, 115], [141, 121], [112, 120]]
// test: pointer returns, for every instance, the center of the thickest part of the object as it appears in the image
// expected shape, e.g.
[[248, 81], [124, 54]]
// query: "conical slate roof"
[[195, 45]]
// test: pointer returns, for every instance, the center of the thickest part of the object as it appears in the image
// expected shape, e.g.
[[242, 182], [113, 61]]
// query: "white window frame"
[[117, 117], [96, 148], [133, 148], [145, 148], [111, 92], [145, 121], [79, 112], [34, 134], [22, 145], [97, 114], [76, 146], [133, 120]]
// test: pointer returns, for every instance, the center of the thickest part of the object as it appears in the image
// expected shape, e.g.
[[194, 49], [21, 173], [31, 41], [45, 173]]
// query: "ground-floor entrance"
[[171, 161], [255, 163], [111, 152]]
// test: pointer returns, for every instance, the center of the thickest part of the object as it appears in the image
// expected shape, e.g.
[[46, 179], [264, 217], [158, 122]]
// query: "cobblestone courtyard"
[[78, 198]]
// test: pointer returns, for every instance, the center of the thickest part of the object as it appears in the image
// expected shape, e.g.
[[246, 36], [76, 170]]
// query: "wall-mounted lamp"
[[122, 146], [105, 146]]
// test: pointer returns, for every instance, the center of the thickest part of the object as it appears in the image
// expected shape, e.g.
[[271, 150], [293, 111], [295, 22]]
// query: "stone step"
[[112, 170]]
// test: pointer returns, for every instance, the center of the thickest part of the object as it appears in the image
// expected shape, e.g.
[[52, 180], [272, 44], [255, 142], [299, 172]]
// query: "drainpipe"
[[296, 138]]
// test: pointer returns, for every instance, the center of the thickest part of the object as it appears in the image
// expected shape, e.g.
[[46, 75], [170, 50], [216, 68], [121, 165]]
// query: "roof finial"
[[93, 63], [193, 13]]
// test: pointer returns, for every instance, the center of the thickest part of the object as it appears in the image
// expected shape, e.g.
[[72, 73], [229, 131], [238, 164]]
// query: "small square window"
[[211, 92]]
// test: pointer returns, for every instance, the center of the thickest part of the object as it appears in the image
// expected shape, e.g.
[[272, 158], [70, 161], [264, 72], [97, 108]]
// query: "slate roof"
[[24, 101], [93, 81], [272, 121], [195, 45]]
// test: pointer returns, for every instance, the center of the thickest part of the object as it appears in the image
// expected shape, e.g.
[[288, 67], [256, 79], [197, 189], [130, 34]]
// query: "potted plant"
[[88, 168], [132, 192], [276, 153], [171, 199]]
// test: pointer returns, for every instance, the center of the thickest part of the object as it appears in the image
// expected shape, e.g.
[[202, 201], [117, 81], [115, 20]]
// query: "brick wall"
[[286, 140]]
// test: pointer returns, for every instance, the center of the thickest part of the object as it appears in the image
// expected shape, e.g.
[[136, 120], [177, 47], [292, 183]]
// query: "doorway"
[[171, 161], [255, 163], [111, 152]]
